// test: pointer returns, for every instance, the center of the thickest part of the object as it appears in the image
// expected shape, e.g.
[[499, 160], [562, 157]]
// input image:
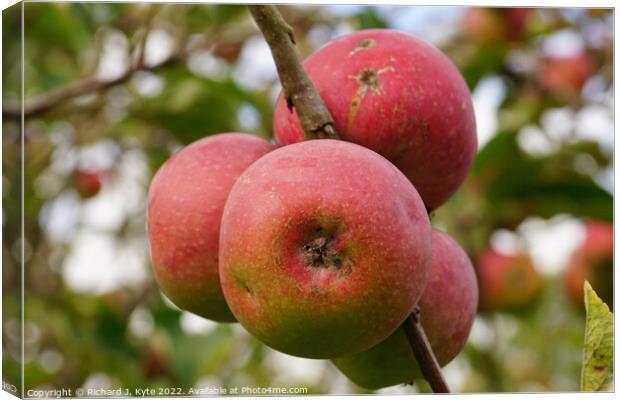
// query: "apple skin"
[[491, 25], [592, 261], [185, 203], [448, 308], [399, 96], [508, 282], [87, 183], [566, 75], [315, 240]]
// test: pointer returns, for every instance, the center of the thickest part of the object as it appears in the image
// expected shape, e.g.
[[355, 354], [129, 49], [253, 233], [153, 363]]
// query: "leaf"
[[191, 107], [598, 347], [543, 186], [369, 18]]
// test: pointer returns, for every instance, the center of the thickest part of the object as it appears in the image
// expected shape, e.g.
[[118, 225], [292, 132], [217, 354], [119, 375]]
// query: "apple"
[[508, 282], [316, 240], [593, 261], [448, 308], [155, 362], [566, 75], [488, 25], [185, 203], [87, 183], [399, 96]]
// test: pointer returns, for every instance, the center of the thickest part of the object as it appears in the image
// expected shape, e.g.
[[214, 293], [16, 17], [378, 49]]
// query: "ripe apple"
[[488, 25], [399, 96], [593, 261], [448, 308], [316, 240], [508, 282], [155, 362], [87, 183], [185, 204], [566, 75]]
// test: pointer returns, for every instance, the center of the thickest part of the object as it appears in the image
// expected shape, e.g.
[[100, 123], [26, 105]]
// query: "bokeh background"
[[541, 81]]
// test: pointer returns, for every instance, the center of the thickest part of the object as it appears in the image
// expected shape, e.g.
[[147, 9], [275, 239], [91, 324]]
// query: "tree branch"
[[298, 90], [47, 101], [424, 353], [152, 10]]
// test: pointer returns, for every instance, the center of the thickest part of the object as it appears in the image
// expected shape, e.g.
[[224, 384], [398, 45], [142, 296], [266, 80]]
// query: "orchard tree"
[[387, 233]]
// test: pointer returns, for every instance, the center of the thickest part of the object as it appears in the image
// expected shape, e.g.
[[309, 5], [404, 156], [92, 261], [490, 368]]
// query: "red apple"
[[185, 204], [315, 242], [155, 362], [508, 282], [448, 308], [495, 24], [399, 96], [87, 183], [593, 261], [566, 75]]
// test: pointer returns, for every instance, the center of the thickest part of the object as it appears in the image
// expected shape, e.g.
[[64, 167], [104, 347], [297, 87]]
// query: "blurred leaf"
[[370, 19], [57, 43], [57, 26], [11, 52], [598, 346], [486, 59], [192, 107], [201, 17], [95, 15], [518, 185]]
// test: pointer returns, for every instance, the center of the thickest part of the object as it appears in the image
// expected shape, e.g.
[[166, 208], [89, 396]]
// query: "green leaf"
[[598, 347], [370, 19], [544, 186]]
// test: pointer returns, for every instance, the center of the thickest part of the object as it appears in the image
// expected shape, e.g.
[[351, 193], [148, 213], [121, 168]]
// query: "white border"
[[539, 3]]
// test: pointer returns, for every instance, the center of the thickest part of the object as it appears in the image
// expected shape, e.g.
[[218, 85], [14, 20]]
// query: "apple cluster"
[[322, 248]]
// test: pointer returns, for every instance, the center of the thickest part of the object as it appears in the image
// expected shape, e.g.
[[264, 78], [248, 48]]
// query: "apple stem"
[[424, 353], [299, 92]]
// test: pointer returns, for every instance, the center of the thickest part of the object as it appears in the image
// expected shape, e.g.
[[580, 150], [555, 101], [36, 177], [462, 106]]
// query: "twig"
[[47, 101], [423, 352], [299, 92], [142, 46], [145, 35]]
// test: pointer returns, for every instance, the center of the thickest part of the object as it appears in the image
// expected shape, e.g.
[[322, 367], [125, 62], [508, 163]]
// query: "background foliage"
[[94, 316]]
